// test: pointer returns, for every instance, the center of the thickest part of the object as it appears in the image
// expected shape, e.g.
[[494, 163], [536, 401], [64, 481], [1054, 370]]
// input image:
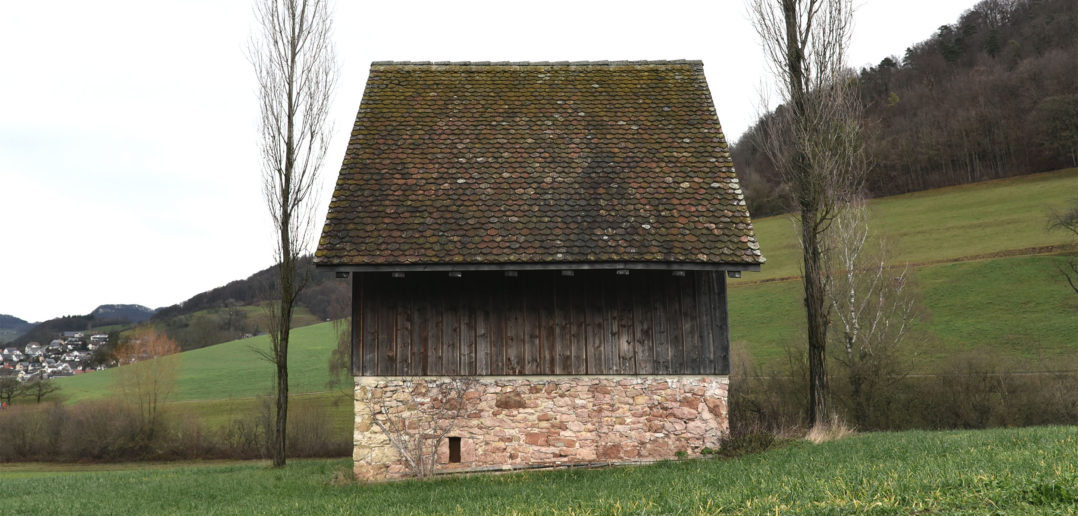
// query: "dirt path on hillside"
[[1009, 253]]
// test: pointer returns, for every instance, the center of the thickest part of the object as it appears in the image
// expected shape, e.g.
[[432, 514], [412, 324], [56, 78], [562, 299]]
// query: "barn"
[[559, 234]]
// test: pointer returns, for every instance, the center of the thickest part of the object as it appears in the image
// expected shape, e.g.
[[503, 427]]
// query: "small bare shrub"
[[417, 424], [23, 431], [745, 443], [770, 399], [311, 435], [249, 434], [836, 429], [342, 477], [101, 431]]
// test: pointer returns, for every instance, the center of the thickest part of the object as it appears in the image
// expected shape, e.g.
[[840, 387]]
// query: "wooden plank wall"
[[540, 323]]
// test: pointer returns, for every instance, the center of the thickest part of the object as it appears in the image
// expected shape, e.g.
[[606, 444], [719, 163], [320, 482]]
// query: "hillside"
[[236, 309], [212, 317], [46, 331], [11, 327], [128, 313], [983, 261], [231, 370], [992, 95], [322, 296]]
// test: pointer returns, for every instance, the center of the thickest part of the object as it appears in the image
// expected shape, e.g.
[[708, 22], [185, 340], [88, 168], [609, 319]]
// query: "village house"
[[33, 349], [559, 233]]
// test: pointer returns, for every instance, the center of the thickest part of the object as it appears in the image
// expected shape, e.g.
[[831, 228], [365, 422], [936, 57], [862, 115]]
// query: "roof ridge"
[[696, 63]]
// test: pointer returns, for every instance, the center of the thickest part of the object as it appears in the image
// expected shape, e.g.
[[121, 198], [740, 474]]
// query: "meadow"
[[1002, 471], [982, 258], [974, 221], [233, 369]]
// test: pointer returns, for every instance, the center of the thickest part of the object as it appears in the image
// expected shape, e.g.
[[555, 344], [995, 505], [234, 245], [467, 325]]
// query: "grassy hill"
[[217, 384], [231, 370], [981, 256], [976, 221], [1003, 471]]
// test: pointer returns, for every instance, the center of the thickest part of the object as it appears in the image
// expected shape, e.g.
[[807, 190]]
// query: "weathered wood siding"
[[540, 323]]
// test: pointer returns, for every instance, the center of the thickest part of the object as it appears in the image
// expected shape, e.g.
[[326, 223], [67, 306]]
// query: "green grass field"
[[1017, 306], [217, 384], [232, 369], [945, 224], [980, 258], [1010, 471]]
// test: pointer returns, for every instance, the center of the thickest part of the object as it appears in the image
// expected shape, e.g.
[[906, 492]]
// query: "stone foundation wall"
[[528, 421]]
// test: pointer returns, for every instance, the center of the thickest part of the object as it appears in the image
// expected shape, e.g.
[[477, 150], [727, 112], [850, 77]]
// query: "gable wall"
[[595, 322]]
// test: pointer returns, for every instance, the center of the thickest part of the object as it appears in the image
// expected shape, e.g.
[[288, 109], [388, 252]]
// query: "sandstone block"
[[684, 413], [610, 451]]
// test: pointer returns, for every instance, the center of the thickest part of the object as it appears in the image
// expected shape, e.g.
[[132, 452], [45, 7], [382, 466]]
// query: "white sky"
[[128, 159]]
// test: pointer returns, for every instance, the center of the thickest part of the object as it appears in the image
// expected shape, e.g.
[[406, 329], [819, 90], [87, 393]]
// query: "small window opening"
[[454, 449]]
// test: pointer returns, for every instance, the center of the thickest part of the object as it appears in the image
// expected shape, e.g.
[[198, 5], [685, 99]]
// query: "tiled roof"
[[537, 163]]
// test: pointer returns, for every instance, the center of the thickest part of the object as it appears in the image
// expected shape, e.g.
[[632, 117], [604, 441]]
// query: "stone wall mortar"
[[550, 421]]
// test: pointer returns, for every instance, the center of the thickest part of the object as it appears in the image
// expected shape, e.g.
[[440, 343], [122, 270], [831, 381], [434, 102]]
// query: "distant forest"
[[991, 96], [216, 316]]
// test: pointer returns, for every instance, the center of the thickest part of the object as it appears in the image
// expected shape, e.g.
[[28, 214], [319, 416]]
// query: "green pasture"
[[231, 370], [1006, 215], [1018, 306], [1003, 471]]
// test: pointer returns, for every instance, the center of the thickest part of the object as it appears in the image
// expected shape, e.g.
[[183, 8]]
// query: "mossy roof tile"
[[500, 163]]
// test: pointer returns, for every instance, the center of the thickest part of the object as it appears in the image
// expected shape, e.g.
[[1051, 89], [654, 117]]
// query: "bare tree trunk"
[[294, 61], [814, 140], [816, 312], [1068, 221]]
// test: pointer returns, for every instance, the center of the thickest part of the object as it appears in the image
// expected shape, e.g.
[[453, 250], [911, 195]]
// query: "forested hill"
[[129, 313], [322, 296], [11, 327], [194, 323], [10, 322], [993, 95]]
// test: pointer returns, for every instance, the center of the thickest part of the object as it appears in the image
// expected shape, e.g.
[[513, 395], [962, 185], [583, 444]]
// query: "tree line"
[[993, 95]]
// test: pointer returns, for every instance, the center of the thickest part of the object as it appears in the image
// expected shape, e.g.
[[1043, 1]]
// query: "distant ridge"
[[104, 315], [10, 322], [130, 313], [12, 327]]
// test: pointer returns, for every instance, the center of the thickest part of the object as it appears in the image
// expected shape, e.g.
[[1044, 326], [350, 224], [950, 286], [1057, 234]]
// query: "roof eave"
[[543, 266]]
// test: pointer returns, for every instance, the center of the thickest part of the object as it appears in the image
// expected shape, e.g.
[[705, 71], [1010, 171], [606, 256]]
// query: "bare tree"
[[815, 141], [149, 363], [417, 426], [294, 62], [872, 305], [1068, 221], [40, 387], [10, 387], [340, 363]]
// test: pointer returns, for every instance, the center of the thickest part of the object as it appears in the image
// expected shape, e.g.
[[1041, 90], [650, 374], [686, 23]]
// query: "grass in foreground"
[[1015, 471]]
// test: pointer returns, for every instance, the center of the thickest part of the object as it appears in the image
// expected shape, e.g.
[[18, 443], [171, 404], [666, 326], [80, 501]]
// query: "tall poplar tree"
[[294, 61]]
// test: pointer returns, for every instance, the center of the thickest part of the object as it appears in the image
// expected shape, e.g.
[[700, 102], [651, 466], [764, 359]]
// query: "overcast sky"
[[128, 159]]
